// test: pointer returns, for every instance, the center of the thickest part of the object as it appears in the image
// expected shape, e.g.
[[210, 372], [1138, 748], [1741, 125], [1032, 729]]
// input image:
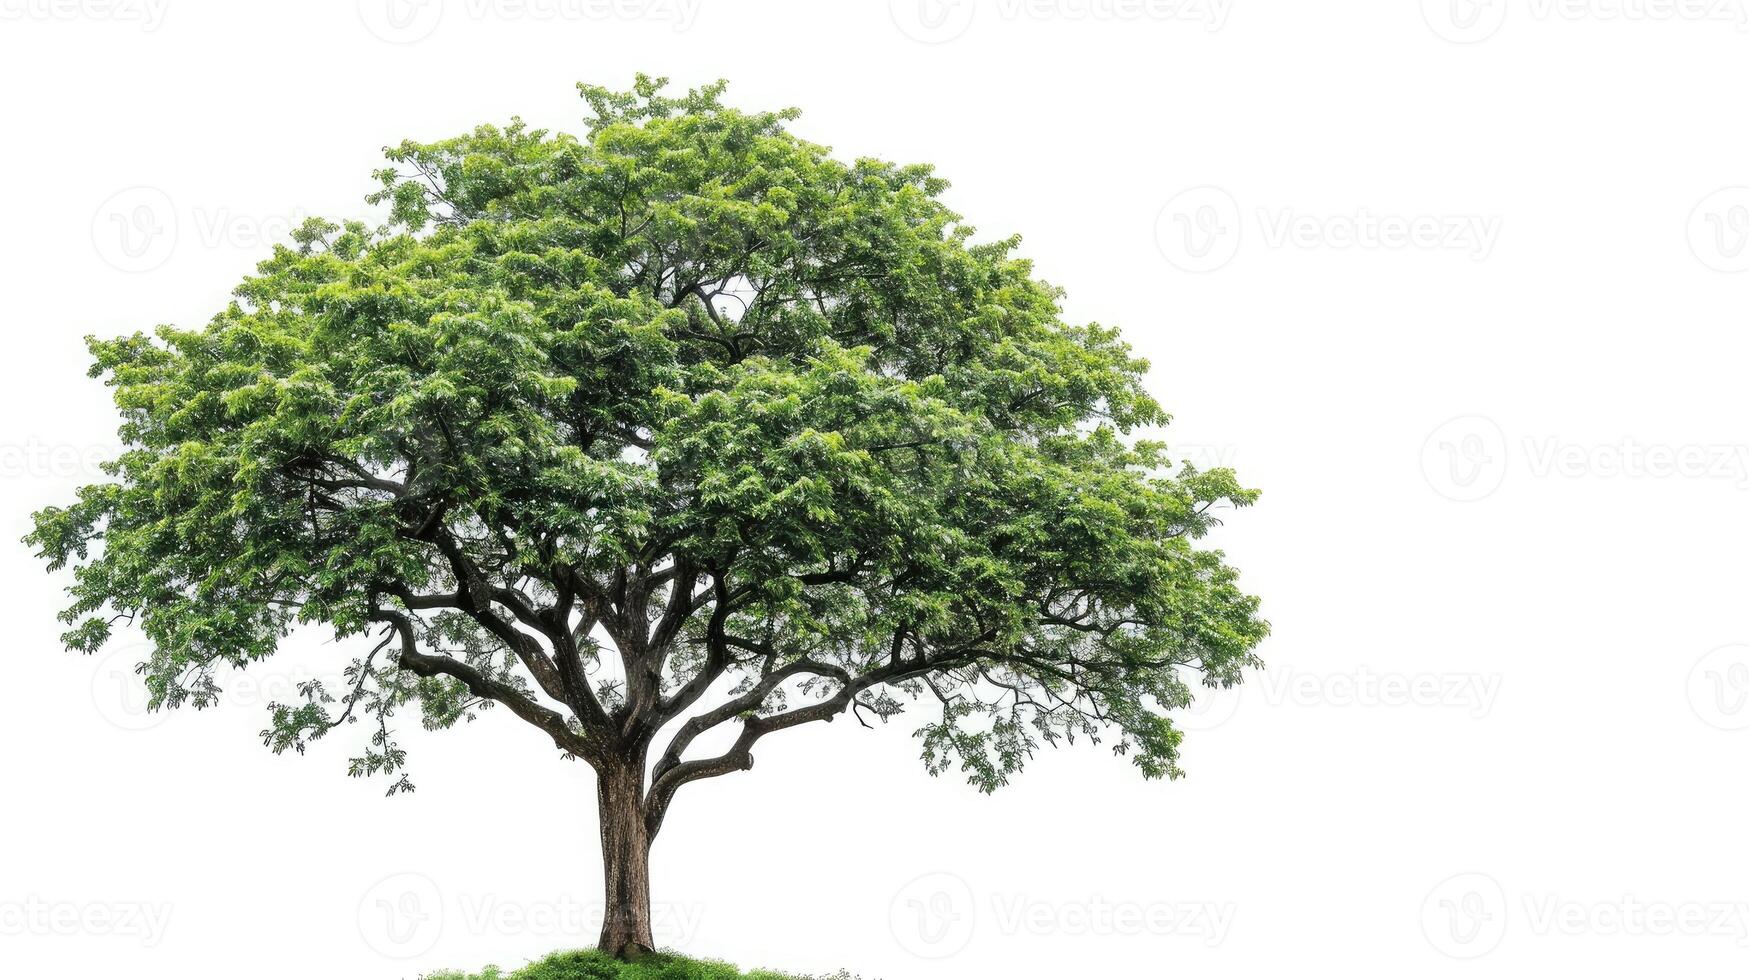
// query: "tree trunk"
[[625, 861]]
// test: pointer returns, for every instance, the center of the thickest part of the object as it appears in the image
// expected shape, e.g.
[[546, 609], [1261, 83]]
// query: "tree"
[[682, 429]]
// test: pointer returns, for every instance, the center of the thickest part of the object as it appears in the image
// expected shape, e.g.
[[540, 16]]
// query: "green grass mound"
[[593, 965]]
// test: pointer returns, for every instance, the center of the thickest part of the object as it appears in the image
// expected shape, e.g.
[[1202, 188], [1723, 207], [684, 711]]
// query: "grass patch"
[[593, 965]]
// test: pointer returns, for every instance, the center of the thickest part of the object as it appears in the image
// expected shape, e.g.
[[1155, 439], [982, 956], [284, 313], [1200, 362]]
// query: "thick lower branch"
[[671, 773], [746, 702], [480, 685]]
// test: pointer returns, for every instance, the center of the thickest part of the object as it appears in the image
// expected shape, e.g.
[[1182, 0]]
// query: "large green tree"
[[680, 429]]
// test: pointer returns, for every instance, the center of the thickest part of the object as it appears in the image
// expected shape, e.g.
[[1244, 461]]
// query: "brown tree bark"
[[625, 861]]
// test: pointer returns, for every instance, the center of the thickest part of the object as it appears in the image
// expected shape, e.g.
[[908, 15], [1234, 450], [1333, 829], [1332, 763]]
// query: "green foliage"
[[595, 965], [595, 421]]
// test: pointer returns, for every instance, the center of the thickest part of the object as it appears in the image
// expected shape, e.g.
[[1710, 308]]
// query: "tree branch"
[[671, 773], [482, 686]]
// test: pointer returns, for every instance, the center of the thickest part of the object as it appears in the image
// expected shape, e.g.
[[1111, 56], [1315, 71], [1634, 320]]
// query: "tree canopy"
[[682, 420]]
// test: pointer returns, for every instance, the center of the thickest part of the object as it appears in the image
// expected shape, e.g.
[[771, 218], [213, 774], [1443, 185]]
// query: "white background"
[[1458, 294]]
